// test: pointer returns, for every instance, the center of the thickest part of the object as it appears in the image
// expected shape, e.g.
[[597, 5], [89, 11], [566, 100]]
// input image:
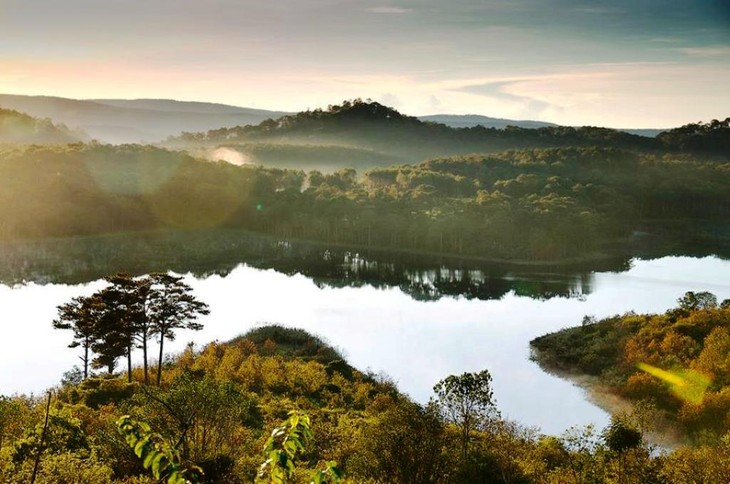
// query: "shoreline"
[[664, 436]]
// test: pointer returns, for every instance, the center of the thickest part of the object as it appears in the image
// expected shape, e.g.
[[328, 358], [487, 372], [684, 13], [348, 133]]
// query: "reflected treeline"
[[206, 253], [429, 278]]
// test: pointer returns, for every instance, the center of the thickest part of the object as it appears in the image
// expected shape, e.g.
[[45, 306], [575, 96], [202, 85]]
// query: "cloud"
[[435, 103], [530, 106], [389, 10], [492, 89], [389, 99], [707, 51], [628, 94], [665, 40], [598, 10]]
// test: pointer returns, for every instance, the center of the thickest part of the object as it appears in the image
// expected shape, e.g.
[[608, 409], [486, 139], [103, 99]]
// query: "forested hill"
[[707, 138], [531, 205], [20, 128], [371, 125]]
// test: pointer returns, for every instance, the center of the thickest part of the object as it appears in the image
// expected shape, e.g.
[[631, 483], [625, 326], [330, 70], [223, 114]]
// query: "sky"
[[617, 63]]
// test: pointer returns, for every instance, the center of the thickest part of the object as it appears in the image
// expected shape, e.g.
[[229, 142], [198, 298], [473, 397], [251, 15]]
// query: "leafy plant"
[[157, 455], [280, 452], [282, 447]]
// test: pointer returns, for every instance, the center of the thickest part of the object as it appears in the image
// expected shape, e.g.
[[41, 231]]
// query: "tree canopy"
[[126, 313]]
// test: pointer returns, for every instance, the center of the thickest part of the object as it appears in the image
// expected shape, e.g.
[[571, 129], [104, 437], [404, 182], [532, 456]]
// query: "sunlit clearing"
[[688, 385], [228, 155]]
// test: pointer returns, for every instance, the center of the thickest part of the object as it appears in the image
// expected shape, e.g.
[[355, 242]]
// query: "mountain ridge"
[[154, 119], [472, 120], [125, 122]]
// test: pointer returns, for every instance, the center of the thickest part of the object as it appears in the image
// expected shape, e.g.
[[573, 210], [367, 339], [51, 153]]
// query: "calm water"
[[415, 340]]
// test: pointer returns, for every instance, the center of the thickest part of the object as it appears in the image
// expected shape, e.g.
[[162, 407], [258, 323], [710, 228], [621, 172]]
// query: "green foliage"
[[331, 474], [620, 436], [62, 468], [467, 401], [125, 314], [64, 434], [705, 464], [202, 414], [404, 444], [295, 343], [693, 301], [281, 449], [157, 455], [12, 412], [97, 392]]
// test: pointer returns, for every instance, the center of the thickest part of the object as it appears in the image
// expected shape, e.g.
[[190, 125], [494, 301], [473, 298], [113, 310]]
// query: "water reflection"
[[424, 278], [387, 316]]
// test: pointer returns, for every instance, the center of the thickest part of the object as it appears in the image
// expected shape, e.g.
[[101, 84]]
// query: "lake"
[[415, 323]]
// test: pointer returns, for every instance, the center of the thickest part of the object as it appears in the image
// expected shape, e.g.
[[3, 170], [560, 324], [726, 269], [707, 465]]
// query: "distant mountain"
[[169, 105], [648, 132], [471, 120], [154, 120], [20, 128], [134, 121]]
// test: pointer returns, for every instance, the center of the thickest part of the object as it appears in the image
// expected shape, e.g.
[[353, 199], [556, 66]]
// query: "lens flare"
[[688, 385]]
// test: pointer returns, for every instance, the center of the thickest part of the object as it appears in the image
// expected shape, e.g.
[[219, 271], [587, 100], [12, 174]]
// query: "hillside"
[[20, 128], [217, 405], [372, 126], [134, 121]]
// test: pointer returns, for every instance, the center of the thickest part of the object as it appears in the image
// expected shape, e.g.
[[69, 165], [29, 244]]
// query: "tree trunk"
[[86, 358], [464, 442], [42, 443], [129, 364], [144, 355], [159, 361]]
